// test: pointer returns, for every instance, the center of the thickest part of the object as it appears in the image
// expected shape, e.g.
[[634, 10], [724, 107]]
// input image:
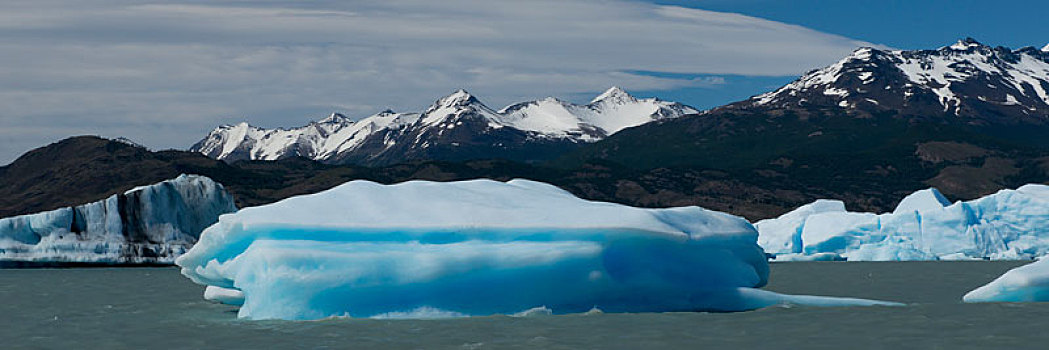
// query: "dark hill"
[[868, 161], [83, 169]]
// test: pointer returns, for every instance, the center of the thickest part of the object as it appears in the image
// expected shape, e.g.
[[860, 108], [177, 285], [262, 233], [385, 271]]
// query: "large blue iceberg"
[[1008, 225], [480, 247], [150, 224]]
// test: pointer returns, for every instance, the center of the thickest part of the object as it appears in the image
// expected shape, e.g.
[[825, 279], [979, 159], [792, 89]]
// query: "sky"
[[164, 74]]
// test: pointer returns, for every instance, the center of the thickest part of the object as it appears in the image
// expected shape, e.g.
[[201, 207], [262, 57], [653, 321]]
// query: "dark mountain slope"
[[83, 169], [969, 119]]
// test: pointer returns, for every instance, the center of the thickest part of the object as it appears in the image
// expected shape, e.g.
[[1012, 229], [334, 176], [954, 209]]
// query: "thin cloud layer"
[[164, 74]]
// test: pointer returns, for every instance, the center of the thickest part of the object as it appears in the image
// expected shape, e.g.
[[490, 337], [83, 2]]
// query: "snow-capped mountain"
[[606, 114], [317, 140], [967, 79], [457, 126]]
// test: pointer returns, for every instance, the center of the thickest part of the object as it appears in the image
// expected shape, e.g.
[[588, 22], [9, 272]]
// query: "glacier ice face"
[[1010, 224], [793, 222], [1026, 283], [929, 199], [477, 247], [149, 224]]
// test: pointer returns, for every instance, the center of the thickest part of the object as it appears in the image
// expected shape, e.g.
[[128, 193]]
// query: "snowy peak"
[[967, 79], [453, 119], [965, 45], [449, 110], [335, 118], [459, 98], [385, 113], [1046, 48], [459, 102], [608, 113], [614, 95]]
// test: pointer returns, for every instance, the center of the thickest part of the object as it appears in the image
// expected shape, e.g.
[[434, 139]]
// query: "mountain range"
[[967, 82], [82, 169], [969, 119], [455, 127]]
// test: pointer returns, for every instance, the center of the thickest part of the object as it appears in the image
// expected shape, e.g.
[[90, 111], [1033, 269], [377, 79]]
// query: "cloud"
[[164, 74]]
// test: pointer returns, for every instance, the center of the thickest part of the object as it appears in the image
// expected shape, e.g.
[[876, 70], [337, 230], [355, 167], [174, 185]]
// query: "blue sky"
[[903, 24], [164, 74]]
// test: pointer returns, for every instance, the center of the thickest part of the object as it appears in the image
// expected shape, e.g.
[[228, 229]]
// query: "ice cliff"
[[1008, 225], [151, 224], [480, 247]]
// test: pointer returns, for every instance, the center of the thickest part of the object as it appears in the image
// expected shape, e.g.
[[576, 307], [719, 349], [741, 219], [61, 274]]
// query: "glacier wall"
[[150, 224], [480, 247], [1008, 225]]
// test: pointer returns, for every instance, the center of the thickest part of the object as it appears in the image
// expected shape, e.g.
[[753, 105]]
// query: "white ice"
[[1008, 225], [224, 295], [1026, 283]]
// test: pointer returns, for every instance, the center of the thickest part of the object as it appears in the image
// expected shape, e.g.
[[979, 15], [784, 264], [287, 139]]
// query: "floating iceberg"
[[477, 247], [1023, 284], [224, 295], [1008, 225], [150, 224]]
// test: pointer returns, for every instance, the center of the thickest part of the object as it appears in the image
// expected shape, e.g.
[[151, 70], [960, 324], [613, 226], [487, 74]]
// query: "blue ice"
[[477, 247]]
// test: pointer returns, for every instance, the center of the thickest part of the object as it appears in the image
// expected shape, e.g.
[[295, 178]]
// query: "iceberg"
[[1008, 225], [480, 247], [1026, 283], [146, 225], [224, 295]]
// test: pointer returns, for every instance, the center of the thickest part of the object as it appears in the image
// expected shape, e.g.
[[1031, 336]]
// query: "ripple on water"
[[156, 308]]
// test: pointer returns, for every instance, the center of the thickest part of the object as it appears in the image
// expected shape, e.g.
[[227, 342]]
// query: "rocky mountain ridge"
[[455, 127]]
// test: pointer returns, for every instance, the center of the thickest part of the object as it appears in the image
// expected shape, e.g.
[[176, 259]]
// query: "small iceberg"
[[476, 248], [1028, 283]]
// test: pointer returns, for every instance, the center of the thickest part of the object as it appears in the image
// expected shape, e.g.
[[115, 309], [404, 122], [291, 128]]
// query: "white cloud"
[[164, 74]]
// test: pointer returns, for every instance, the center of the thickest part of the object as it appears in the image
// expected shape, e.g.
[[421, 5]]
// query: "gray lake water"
[[156, 308]]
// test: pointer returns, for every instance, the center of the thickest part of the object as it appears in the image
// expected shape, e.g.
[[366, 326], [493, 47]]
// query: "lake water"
[[156, 308]]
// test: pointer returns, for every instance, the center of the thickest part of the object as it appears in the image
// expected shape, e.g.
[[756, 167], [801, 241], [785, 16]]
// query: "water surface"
[[156, 308]]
